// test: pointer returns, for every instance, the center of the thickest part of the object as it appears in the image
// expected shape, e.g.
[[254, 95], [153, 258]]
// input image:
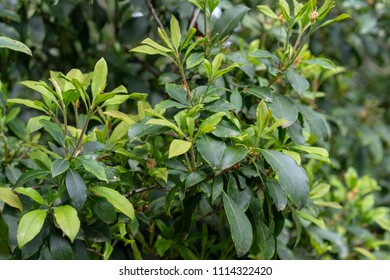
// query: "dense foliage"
[[234, 134]]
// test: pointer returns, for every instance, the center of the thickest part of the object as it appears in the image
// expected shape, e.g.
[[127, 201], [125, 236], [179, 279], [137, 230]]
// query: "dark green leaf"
[[178, 93], [316, 121], [297, 82], [229, 21], [226, 129], [277, 194], [59, 166], [94, 167], [263, 93], [283, 108], [217, 187], [141, 129], [239, 192], [195, 178], [77, 189], [221, 105], [30, 175], [240, 226], [55, 131], [60, 248], [4, 251], [292, 178], [104, 210], [98, 232]]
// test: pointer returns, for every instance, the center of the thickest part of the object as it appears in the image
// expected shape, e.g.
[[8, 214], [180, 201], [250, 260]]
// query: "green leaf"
[[208, 125], [104, 210], [34, 123], [226, 129], [67, 219], [55, 131], [194, 60], [94, 167], [283, 108], [240, 226], [155, 45], [31, 193], [141, 129], [285, 8], [77, 189], [316, 121], [323, 62], [175, 32], [338, 18], [292, 178], [37, 105], [265, 10], [30, 175], [229, 21], [312, 150], [159, 173], [99, 78], [297, 82], [178, 93], [148, 50], [178, 147], [60, 248], [218, 155], [262, 92], [221, 105], [42, 88], [59, 166], [10, 198], [277, 194], [12, 44], [319, 222], [119, 115], [164, 122], [30, 225], [120, 202]]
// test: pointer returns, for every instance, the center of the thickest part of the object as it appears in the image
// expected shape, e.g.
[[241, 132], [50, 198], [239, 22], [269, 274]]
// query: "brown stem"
[[154, 14]]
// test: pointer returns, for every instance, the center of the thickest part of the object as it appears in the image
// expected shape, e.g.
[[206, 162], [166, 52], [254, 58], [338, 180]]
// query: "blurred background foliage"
[[65, 34]]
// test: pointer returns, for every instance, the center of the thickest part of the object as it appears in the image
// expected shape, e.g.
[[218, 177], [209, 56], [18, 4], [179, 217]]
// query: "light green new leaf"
[[338, 18], [67, 219], [209, 124], [30, 225], [175, 32], [155, 45], [323, 62], [194, 60], [240, 226], [10, 198], [31, 193], [319, 222], [35, 104], [59, 166], [265, 10], [159, 173], [292, 178], [312, 150], [94, 167], [178, 147], [34, 123], [297, 82], [120, 202], [12, 44], [164, 122], [42, 88], [99, 78]]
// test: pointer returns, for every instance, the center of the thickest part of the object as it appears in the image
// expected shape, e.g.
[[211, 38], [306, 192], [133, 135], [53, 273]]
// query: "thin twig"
[[154, 14], [194, 18]]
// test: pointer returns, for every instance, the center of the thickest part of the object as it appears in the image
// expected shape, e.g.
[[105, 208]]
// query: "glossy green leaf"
[[292, 178], [42, 88], [175, 32], [297, 82], [164, 122], [316, 121], [141, 129], [30, 225], [77, 189], [60, 248], [148, 50], [226, 129], [10, 198], [59, 166], [208, 125], [159, 173], [277, 194], [283, 108], [338, 18], [218, 155], [94, 167], [155, 45], [15, 45], [67, 219], [229, 21], [99, 78], [55, 131], [178, 93], [319, 222], [31, 193], [120, 202], [34, 123], [240, 226], [104, 210], [178, 147], [31, 175], [194, 60]]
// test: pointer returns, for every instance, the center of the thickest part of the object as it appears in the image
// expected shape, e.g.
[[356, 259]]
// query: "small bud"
[[282, 19], [151, 163], [296, 62], [313, 16]]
